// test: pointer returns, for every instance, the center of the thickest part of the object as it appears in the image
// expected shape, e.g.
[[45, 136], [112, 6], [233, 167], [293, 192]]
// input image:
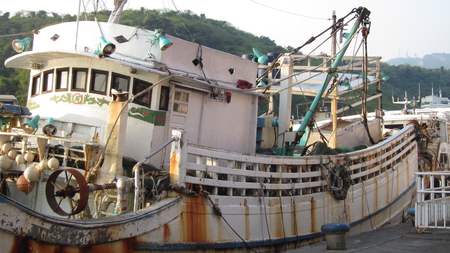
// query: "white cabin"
[[77, 91]]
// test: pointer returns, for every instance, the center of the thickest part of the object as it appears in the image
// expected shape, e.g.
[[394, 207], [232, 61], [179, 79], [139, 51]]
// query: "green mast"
[[363, 16]]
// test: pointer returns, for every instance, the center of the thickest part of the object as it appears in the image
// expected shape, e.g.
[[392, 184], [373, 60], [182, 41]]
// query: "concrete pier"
[[398, 238]]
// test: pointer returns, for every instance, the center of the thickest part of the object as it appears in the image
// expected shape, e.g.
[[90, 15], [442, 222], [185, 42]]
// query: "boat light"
[[164, 43], [31, 126], [263, 82], [105, 48], [261, 57], [346, 84], [21, 45], [383, 76], [49, 129]]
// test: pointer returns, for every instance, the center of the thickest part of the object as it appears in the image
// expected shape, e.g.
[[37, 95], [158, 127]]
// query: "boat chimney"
[[113, 142]]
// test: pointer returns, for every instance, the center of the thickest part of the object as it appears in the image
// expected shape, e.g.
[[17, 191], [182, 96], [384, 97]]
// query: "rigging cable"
[[282, 220], [309, 41], [217, 211], [288, 12], [265, 211], [10, 35], [365, 32], [93, 170], [292, 52], [298, 73]]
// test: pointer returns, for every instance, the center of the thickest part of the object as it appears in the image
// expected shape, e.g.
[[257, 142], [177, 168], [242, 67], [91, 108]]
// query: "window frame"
[[114, 75], [74, 79], [149, 93], [59, 79], [36, 85], [164, 98], [92, 83], [181, 104], [46, 79]]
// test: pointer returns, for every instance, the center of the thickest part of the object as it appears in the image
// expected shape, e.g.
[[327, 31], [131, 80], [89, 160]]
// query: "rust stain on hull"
[[24, 245], [313, 214], [167, 233], [174, 164], [194, 218]]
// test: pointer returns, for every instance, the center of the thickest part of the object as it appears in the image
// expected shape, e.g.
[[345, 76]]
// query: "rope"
[[97, 165], [282, 221], [364, 90], [217, 211], [265, 212], [367, 204], [309, 41], [16, 34]]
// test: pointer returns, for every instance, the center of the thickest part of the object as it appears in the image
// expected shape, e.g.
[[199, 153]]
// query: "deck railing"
[[433, 200], [236, 174]]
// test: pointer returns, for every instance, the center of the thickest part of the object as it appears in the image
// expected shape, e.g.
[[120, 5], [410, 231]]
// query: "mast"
[[334, 102], [363, 15]]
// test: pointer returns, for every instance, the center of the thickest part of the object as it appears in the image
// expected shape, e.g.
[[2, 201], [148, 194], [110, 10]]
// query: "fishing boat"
[[138, 141]]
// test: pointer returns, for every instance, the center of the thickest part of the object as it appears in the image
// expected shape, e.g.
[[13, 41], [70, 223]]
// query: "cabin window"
[[180, 101], [62, 79], [164, 98], [36, 85], [120, 82], [79, 79], [99, 81], [145, 98], [47, 84]]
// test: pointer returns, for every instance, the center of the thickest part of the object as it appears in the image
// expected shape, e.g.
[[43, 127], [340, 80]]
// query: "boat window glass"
[[180, 101], [79, 79], [120, 82], [47, 84], [99, 81], [62, 79], [164, 98], [36, 85], [144, 99]]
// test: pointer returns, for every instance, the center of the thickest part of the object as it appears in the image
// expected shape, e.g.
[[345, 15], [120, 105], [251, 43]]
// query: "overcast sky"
[[400, 28]]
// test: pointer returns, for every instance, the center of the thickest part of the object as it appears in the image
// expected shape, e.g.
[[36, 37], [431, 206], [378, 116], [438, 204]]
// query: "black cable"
[[217, 211]]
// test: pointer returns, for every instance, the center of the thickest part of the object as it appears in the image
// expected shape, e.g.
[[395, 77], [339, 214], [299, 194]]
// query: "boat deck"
[[399, 238]]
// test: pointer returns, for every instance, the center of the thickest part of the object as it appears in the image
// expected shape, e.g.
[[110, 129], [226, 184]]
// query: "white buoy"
[[22, 167], [31, 173], [6, 147], [20, 159], [5, 163], [12, 154], [29, 157], [44, 164], [53, 163]]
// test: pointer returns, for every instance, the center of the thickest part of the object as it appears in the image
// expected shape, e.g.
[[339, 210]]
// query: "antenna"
[[419, 92]]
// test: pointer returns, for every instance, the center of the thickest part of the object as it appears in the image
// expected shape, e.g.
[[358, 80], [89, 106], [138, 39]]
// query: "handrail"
[[433, 198], [138, 166]]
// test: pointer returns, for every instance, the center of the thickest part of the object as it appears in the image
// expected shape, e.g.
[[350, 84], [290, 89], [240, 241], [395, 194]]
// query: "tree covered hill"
[[186, 25], [207, 32], [429, 61]]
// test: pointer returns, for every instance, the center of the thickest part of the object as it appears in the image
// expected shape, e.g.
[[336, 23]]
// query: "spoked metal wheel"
[[75, 196]]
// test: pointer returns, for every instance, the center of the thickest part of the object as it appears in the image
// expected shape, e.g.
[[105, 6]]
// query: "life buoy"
[[340, 181]]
